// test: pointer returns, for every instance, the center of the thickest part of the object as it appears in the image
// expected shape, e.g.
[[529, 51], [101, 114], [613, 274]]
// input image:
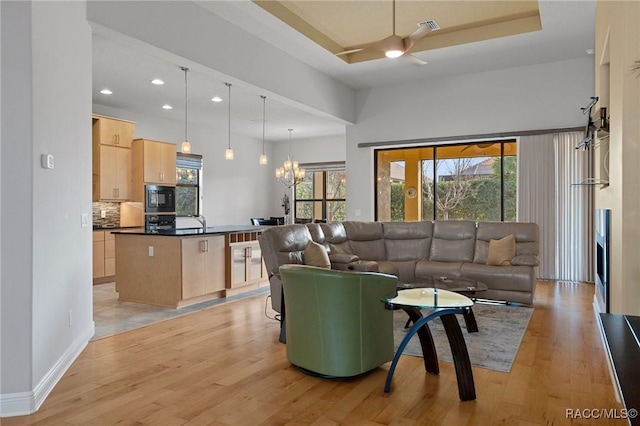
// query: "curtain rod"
[[501, 135]]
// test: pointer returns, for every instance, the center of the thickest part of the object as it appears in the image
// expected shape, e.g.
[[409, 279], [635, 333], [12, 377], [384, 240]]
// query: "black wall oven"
[[160, 199]]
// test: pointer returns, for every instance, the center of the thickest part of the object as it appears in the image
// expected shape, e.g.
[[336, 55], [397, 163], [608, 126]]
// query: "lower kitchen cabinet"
[[244, 262], [203, 268], [170, 271], [104, 257]]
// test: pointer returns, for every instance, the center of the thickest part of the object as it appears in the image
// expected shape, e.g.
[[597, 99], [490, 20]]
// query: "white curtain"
[[536, 195], [548, 165], [574, 209]]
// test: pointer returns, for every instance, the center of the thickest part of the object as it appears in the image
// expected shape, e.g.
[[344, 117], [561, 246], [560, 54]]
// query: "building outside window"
[[188, 184], [473, 181], [321, 196]]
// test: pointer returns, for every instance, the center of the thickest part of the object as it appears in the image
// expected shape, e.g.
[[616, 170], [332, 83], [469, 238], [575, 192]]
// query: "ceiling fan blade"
[[346, 52], [414, 59]]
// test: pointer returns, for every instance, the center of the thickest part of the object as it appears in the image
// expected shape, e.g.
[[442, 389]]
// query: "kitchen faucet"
[[200, 218]]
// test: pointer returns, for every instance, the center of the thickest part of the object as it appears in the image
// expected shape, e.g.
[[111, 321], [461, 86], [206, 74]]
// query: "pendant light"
[[228, 154], [263, 157], [186, 146]]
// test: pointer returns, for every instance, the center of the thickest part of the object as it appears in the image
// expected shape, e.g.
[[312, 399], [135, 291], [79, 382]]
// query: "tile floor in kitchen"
[[112, 316]]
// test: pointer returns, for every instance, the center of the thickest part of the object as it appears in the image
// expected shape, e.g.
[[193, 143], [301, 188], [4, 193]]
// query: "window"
[[188, 181], [321, 195], [474, 181]]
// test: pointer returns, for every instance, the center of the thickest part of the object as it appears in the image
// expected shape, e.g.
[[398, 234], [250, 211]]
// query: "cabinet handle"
[[206, 245], [203, 246], [117, 139]]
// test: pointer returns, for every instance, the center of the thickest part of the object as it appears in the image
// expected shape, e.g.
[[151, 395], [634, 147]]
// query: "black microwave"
[[160, 199]]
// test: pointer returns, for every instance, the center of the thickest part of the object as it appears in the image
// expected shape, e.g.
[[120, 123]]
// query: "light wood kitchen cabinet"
[[245, 263], [203, 268], [110, 131], [104, 257], [154, 162], [98, 254], [109, 254], [111, 173]]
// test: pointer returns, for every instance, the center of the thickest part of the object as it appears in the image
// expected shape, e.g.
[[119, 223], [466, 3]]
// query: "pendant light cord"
[[229, 124], [394, 17], [186, 70], [290, 130], [264, 119]]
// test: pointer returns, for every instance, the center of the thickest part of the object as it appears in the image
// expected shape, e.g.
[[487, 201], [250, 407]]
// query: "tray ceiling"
[[341, 25]]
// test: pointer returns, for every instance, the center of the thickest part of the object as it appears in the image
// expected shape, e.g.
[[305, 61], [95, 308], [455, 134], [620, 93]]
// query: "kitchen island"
[[180, 267]]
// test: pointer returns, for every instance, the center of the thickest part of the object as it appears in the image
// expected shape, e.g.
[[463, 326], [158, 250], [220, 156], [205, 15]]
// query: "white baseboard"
[[25, 403]]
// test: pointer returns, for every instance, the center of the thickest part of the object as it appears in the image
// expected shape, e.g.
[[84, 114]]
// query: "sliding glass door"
[[475, 181]]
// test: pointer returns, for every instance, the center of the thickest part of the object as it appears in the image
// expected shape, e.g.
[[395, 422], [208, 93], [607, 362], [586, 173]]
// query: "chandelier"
[[290, 174]]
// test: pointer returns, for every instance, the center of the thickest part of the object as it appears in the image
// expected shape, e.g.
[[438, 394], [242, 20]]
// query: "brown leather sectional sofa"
[[413, 251]]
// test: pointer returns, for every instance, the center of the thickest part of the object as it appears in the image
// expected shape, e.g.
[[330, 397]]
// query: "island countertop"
[[186, 232]]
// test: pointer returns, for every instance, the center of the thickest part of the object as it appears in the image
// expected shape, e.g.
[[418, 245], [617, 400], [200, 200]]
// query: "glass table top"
[[423, 298]]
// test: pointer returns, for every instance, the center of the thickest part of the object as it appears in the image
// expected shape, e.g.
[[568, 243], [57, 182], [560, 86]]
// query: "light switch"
[[84, 220], [103, 214], [150, 251]]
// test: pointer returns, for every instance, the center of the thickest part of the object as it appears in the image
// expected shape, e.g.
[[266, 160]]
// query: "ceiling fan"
[[395, 46]]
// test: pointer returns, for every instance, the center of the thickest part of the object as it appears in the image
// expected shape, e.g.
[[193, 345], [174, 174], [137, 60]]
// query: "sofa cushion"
[[453, 241], [366, 239], [525, 260], [335, 238], [525, 233], [502, 251], [407, 240], [316, 255], [317, 234], [427, 269], [512, 278]]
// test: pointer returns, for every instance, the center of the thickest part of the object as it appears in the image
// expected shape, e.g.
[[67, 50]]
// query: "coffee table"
[[445, 305], [464, 286]]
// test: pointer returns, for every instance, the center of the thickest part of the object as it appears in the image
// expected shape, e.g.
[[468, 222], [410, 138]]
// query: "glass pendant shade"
[[228, 154], [185, 148], [263, 160]]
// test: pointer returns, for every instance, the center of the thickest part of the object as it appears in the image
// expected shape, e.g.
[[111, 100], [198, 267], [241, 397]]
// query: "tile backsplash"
[[112, 213]]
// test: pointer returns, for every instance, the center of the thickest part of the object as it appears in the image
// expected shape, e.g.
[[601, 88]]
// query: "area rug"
[[501, 329]]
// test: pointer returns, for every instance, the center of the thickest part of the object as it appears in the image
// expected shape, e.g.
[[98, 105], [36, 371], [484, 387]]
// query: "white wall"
[[46, 262], [233, 191], [541, 96], [617, 25]]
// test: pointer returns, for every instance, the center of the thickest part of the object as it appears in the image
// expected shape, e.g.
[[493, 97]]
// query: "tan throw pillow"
[[316, 255], [502, 251]]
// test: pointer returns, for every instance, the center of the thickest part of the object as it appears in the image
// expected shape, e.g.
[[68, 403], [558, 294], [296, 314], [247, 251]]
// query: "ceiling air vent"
[[431, 23]]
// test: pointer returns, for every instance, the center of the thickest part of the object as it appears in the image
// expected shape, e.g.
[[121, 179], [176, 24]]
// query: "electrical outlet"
[[70, 317], [150, 251], [103, 214]]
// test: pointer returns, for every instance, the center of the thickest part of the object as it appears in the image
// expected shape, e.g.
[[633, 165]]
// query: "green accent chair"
[[336, 322]]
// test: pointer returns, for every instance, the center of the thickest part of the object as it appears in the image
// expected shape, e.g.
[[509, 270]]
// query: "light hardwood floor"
[[224, 366]]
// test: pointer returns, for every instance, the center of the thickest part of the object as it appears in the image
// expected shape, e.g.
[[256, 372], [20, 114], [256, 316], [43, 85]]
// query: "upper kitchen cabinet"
[[111, 173], [153, 162], [111, 145], [110, 131]]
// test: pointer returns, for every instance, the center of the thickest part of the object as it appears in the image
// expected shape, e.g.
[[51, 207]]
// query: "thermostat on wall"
[[46, 161]]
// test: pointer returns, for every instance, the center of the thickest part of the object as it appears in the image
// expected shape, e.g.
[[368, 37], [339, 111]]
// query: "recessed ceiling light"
[[157, 81], [591, 51], [167, 106], [106, 92], [216, 99]]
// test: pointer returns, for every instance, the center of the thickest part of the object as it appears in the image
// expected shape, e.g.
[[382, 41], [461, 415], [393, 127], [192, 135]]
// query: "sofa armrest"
[[343, 258], [525, 260], [363, 266]]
